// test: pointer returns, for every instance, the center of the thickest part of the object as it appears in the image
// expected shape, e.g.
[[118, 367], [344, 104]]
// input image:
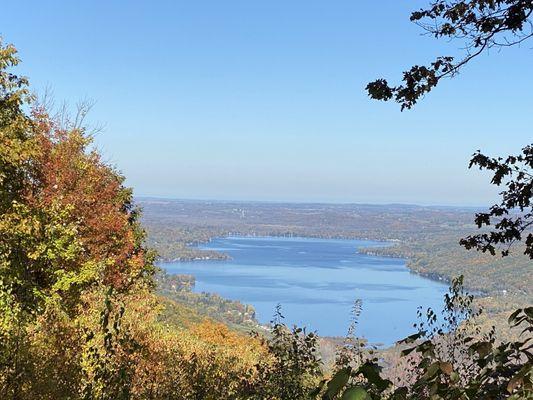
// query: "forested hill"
[[383, 222]]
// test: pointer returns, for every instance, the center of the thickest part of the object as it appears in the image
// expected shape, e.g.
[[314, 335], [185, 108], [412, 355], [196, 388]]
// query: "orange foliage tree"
[[78, 317]]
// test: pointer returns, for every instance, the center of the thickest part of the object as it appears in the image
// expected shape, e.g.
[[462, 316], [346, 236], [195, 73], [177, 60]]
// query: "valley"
[[426, 237]]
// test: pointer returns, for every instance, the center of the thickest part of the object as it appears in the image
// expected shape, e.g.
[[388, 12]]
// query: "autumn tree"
[[16, 151], [67, 224], [78, 315]]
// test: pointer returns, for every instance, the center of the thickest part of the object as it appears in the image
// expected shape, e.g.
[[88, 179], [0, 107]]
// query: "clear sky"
[[264, 100]]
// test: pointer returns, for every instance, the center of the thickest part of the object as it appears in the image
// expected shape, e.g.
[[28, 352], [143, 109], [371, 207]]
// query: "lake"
[[316, 281]]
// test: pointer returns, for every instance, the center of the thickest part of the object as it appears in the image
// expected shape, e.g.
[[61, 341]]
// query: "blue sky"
[[257, 100]]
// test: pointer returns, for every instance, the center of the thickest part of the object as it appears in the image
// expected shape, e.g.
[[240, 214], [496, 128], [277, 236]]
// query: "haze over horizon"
[[234, 200], [266, 101]]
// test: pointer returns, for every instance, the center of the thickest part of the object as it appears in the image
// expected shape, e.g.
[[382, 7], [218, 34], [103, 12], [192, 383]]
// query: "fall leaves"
[[78, 318]]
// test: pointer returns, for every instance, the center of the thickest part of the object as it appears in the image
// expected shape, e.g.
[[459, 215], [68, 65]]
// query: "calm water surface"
[[316, 282]]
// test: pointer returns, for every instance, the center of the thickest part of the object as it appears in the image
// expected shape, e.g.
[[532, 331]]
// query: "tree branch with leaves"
[[481, 24]]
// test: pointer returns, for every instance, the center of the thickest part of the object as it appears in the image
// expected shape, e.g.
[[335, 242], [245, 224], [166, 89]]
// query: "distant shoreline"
[[387, 244]]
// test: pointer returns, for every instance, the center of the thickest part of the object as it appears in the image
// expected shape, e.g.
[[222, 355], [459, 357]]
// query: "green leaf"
[[335, 385], [371, 372], [431, 371], [482, 348], [412, 338], [355, 393], [454, 377], [513, 316]]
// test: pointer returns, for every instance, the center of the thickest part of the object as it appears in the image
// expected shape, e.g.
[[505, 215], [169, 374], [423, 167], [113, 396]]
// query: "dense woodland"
[[84, 315]]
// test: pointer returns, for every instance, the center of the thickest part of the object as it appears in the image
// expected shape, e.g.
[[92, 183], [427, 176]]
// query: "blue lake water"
[[316, 281]]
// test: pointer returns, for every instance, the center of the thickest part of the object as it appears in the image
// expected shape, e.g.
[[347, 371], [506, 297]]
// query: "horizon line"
[[214, 200]]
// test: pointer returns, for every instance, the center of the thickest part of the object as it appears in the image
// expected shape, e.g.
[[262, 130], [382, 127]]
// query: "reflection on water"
[[316, 281]]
